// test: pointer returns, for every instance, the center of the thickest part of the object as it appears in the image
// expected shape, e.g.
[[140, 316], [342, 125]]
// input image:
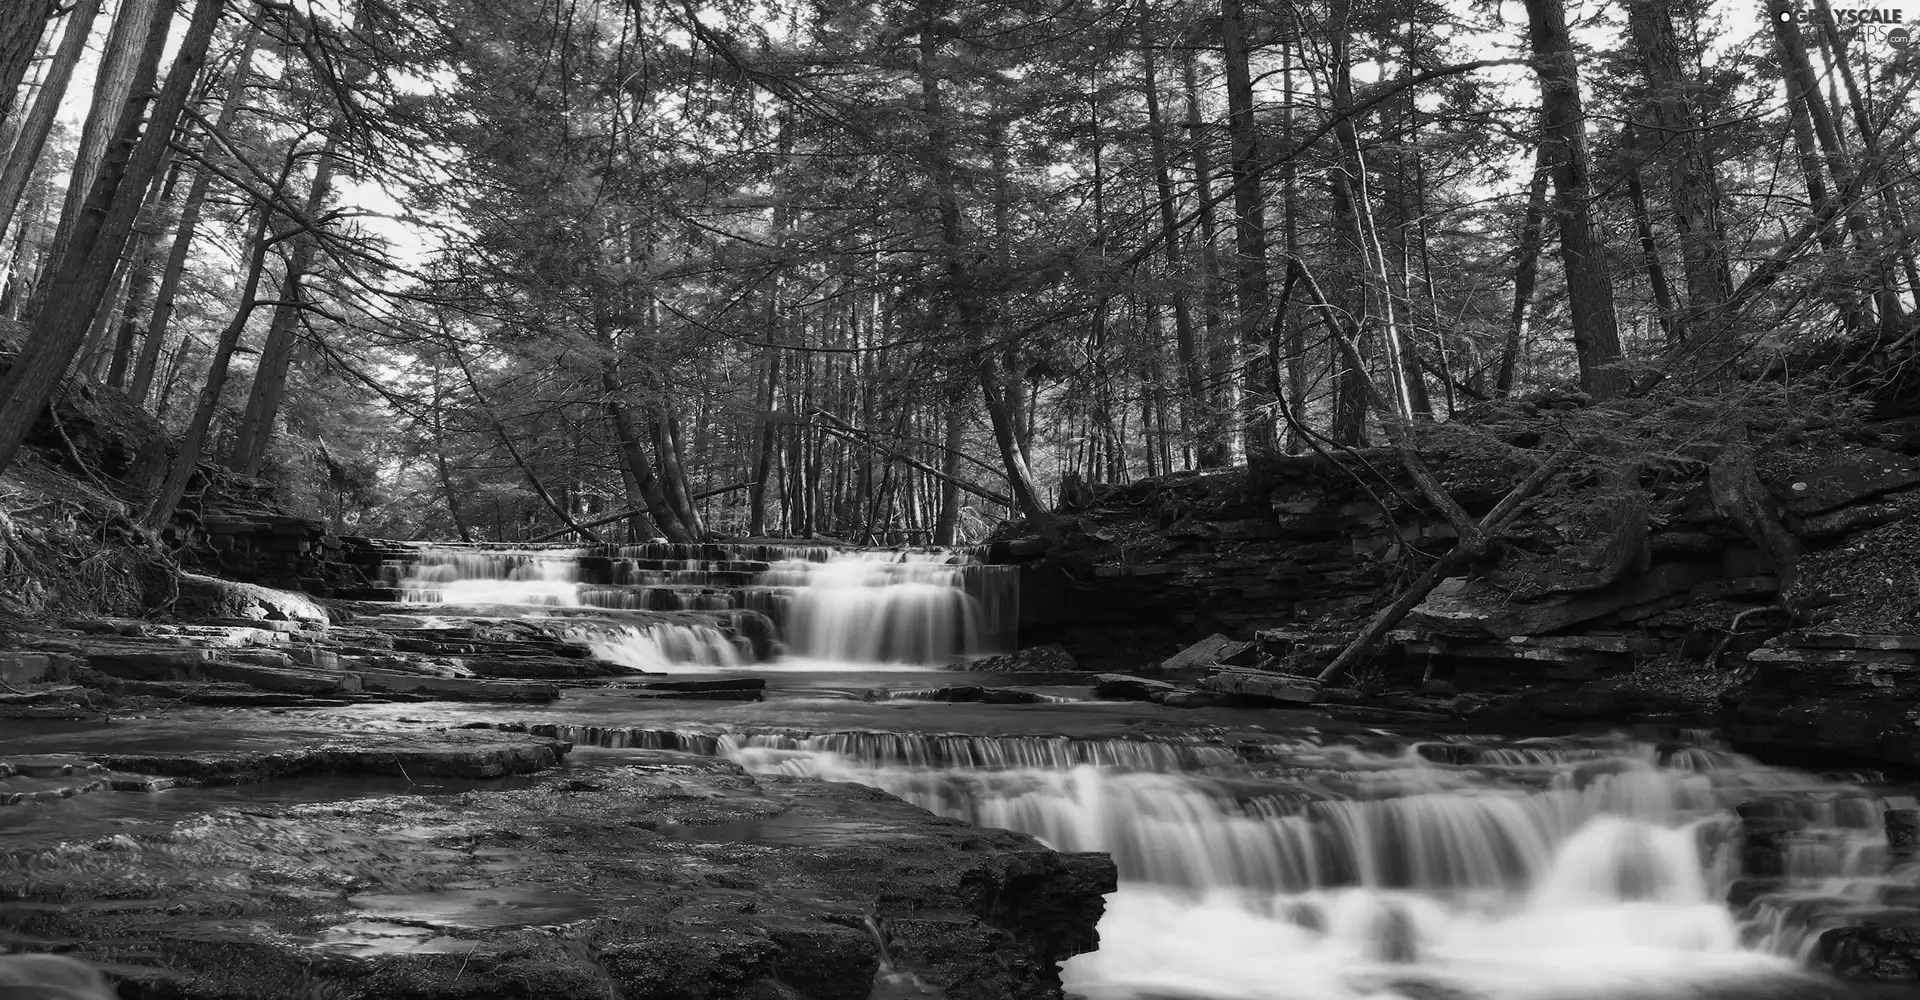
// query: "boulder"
[[211, 597]]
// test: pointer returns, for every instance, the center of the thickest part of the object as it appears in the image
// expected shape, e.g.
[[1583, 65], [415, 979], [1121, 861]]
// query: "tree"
[[1596, 329], [21, 25], [73, 290]]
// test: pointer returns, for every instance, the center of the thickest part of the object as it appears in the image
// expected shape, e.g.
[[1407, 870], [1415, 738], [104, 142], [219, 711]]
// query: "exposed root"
[[1733, 630]]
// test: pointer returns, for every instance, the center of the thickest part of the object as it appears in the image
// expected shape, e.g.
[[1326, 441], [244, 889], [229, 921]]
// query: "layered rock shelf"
[[657, 875], [246, 645]]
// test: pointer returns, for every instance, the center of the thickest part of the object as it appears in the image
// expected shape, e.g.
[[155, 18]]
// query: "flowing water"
[[839, 606], [1263, 855]]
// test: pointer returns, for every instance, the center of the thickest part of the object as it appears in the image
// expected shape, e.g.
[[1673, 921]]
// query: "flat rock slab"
[[459, 753], [1264, 685], [1198, 656], [454, 688], [665, 877]]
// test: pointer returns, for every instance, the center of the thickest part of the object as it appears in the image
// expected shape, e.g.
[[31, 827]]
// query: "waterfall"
[[1296, 868], [927, 607], [445, 575]]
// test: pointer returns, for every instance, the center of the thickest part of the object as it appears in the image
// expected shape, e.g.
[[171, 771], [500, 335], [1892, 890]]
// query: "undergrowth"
[[70, 548]]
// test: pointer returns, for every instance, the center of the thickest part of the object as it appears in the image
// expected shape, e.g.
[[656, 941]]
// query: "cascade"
[[929, 607], [1303, 869]]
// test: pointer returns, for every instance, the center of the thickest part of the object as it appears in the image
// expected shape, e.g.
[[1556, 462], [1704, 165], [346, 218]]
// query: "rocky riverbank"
[[1681, 624], [647, 875]]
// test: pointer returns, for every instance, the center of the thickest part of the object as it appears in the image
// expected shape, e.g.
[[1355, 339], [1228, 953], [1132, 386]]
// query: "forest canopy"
[[895, 272]]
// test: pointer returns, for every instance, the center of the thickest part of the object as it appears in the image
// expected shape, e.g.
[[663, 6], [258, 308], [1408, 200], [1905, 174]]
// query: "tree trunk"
[[1671, 322], [22, 22], [1193, 404], [1596, 328], [195, 440], [128, 65], [269, 389], [98, 239], [1896, 219], [1693, 192], [20, 271], [32, 137], [673, 472], [960, 282], [947, 521], [145, 264], [440, 466], [513, 451], [1218, 438], [1349, 426], [190, 208], [1250, 235], [1526, 272], [1793, 57], [765, 441]]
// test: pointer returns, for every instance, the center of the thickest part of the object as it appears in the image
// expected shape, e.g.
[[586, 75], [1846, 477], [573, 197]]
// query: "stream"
[[1263, 854]]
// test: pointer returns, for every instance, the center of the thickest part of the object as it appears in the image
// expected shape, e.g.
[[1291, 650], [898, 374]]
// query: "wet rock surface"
[[655, 875], [451, 753], [248, 645]]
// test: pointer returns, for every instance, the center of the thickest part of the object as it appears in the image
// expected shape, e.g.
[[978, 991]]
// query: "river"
[[1264, 854]]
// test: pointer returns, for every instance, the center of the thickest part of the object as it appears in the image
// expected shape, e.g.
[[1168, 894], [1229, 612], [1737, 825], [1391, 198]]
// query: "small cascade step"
[[905, 606]]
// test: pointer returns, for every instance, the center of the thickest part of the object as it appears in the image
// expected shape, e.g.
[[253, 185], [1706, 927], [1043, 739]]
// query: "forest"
[[896, 272]]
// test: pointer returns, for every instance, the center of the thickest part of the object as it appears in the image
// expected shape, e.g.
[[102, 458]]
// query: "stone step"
[[148, 663]]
